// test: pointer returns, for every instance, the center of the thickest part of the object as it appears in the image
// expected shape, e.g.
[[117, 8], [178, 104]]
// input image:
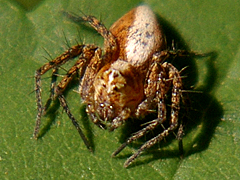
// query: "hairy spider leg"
[[87, 56], [156, 88], [158, 85], [175, 78], [52, 89], [54, 64], [110, 43], [60, 60]]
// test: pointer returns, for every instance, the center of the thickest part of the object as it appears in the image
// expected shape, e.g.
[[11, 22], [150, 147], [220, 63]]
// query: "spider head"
[[117, 87]]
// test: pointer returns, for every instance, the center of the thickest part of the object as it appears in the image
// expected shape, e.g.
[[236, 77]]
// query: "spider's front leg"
[[87, 51], [154, 92], [160, 79], [175, 78]]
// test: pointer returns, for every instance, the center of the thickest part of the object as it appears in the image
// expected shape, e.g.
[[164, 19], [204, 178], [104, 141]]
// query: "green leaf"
[[212, 140]]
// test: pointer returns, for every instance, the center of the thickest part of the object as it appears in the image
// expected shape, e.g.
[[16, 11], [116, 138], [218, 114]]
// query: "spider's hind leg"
[[110, 43]]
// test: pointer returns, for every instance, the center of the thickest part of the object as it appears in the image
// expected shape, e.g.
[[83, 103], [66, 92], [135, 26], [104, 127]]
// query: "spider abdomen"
[[138, 35]]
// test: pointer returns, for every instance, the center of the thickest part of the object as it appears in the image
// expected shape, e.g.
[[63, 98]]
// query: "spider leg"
[[63, 103], [52, 89], [179, 138], [77, 68], [175, 78], [136, 136], [156, 88], [101, 29], [150, 143], [110, 43], [118, 121], [54, 64]]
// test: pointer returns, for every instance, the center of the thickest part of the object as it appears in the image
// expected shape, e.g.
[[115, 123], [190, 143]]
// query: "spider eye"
[[115, 88]]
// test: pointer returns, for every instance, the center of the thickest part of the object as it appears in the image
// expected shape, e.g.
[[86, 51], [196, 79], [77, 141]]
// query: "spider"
[[130, 80]]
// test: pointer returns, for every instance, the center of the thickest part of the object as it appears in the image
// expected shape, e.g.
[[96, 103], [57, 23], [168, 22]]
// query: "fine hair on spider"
[[130, 77]]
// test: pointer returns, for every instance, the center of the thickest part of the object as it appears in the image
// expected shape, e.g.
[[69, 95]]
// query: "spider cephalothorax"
[[131, 79]]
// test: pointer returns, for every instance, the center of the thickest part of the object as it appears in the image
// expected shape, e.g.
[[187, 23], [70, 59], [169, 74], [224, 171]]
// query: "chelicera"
[[131, 78]]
